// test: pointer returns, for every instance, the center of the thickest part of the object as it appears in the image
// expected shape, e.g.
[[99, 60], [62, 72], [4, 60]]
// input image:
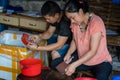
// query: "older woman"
[[89, 38]]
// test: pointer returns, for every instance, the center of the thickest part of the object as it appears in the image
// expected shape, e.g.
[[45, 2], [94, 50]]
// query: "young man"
[[59, 42]]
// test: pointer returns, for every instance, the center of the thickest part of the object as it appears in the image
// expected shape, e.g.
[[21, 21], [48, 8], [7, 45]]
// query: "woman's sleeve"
[[97, 25]]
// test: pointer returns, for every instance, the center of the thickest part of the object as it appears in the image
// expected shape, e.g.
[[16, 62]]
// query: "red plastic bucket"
[[31, 66], [85, 78]]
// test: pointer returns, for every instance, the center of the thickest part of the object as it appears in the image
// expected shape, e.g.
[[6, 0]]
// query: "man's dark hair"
[[50, 8]]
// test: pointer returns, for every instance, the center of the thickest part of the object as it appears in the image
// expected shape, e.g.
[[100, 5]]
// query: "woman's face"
[[75, 17]]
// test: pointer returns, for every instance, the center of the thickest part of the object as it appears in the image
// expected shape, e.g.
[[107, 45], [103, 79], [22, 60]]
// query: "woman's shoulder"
[[96, 18], [96, 24]]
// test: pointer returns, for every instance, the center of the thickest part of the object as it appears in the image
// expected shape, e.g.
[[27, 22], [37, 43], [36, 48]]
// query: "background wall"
[[32, 4]]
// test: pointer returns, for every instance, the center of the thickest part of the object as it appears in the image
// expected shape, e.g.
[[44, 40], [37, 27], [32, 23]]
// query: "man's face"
[[51, 19]]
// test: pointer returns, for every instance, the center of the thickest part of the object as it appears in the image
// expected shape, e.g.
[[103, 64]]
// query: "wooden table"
[[26, 22]]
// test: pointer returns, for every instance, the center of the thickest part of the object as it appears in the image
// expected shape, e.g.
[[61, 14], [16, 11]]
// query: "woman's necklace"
[[88, 22]]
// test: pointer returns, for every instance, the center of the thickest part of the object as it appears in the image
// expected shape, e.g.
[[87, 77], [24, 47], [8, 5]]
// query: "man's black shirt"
[[63, 28]]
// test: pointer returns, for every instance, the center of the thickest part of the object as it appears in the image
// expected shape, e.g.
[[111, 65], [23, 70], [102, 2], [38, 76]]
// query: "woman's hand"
[[70, 69], [67, 58]]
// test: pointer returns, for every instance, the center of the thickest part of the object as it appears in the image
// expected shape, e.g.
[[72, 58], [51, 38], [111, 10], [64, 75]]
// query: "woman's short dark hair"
[[75, 5], [50, 8]]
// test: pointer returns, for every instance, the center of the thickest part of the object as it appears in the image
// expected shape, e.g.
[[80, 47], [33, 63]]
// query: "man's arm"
[[47, 34], [60, 42]]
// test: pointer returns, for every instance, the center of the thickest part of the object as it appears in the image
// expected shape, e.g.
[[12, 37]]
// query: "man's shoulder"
[[53, 24], [64, 19]]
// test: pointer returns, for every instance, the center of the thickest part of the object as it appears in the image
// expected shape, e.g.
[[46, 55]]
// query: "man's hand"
[[32, 46], [34, 38]]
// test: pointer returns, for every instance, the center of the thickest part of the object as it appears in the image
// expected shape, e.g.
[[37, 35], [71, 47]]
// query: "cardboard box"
[[10, 56]]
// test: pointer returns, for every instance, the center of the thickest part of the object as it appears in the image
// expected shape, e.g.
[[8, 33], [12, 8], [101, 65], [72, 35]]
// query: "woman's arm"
[[72, 48], [94, 44]]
